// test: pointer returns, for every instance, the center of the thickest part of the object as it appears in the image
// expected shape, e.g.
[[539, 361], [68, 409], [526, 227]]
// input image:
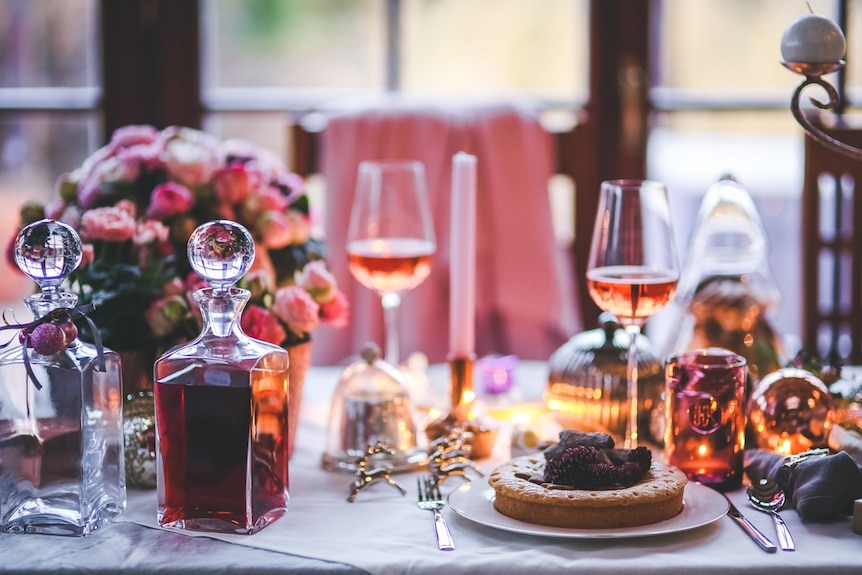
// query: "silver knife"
[[749, 528]]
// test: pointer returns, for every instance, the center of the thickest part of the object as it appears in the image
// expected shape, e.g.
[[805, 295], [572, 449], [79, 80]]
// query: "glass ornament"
[[790, 411]]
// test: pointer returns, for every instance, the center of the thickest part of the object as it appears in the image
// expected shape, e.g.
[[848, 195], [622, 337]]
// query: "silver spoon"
[[766, 496]]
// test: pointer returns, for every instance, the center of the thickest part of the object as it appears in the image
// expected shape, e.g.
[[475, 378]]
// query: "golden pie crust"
[[657, 497]]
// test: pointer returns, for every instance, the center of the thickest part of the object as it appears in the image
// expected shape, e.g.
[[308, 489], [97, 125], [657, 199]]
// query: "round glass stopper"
[[48, 251], [221, 252]]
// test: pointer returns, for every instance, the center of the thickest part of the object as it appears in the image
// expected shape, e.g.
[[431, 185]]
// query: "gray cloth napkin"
[[820, 488]]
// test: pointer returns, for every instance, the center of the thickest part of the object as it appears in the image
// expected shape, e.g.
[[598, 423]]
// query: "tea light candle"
[[462, 257], [497, 373], [813, 38]]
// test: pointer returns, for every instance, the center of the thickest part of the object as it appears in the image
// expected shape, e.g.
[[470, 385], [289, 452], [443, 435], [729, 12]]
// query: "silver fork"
[[430, 499]]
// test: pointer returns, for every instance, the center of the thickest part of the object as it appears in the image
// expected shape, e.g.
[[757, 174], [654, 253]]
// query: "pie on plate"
[[656, 497]]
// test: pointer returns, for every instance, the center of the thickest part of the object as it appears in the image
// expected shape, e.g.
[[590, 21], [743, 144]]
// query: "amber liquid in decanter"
[[205, 448], [221, 406]]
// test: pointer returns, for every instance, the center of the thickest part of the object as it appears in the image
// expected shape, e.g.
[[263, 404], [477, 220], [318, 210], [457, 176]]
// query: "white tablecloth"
[[384, 532]]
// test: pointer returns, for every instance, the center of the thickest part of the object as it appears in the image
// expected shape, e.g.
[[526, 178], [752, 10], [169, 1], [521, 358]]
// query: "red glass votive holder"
[[705, 433]]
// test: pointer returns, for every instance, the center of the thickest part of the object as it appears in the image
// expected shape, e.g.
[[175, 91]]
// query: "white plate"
[[701, 505]]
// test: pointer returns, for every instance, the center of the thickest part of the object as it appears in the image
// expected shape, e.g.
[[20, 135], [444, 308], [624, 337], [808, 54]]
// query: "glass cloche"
[[371, 404]]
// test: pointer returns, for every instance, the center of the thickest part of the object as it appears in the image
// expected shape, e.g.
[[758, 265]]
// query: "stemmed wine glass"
[[632, 271], [390, 239]]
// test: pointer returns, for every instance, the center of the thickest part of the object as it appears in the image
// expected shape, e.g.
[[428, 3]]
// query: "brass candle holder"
[[480, 433]]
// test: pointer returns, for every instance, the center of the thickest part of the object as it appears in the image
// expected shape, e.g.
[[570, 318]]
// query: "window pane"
[[35, 149], [48, 43], [496, 47], [689, 151], [728, 45], [293, 43]]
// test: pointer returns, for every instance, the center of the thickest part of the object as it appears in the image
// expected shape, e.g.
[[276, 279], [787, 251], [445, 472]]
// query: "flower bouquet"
[[136, 201]]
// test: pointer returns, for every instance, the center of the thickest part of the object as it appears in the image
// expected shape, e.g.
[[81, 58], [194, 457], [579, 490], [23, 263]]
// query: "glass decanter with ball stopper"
[[61, 435], [221, 405]]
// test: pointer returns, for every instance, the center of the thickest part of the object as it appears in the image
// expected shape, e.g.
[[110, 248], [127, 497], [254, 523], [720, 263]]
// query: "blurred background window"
[[708, 96]]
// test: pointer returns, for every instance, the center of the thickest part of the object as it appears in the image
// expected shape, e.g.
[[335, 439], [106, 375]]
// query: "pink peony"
[[261, 324], [317, 280], [295, 307], [336, 311], [191, 156], [109, 170], [107, 224], [133, 135], [169, 199]]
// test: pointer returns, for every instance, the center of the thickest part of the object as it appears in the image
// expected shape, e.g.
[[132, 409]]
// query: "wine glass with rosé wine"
[[632, 271], [390, 238]]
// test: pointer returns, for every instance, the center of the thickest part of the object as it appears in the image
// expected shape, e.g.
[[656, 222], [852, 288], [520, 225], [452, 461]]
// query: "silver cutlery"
[[430, 499], [749, 528], [766, 496]]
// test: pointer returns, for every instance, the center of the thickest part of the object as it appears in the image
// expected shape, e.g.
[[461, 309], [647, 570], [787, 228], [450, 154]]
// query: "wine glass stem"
[[631, 439], [391, 303]]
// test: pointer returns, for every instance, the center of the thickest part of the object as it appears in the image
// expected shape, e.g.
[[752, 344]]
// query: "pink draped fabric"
[[525, 298]]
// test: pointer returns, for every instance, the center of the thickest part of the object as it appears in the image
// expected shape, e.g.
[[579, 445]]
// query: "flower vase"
[[139, 423], [300, 360]]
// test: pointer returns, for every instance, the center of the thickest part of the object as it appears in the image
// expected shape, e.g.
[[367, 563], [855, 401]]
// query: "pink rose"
[[191, 156], [263, 199], [317, 280], [336, 311], [138, 146], [133, 135], [261, 324], [107, 224], [235, 183], [261, 160], [274, 230], [169, 199], [295, 307], [150, 232], [147, 156]]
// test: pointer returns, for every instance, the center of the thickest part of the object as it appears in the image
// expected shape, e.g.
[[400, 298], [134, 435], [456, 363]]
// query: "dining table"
[[384, 531]]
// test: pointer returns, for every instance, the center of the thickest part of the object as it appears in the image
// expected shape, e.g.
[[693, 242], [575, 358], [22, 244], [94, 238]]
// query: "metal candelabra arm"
[[813, 73]]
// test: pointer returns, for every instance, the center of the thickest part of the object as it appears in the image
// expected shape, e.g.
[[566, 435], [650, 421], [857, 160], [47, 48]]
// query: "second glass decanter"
[[221, 405], [61, 435]]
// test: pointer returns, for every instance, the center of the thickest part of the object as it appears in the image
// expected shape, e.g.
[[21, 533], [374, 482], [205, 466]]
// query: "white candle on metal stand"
[[813, 39], [462, 258]]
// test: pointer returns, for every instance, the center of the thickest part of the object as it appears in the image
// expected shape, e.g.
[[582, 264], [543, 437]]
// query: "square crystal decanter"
[[61, 434], [221, 405]]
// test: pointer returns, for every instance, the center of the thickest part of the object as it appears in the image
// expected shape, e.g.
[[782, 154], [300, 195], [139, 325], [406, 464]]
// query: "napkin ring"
[[791, 461]]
